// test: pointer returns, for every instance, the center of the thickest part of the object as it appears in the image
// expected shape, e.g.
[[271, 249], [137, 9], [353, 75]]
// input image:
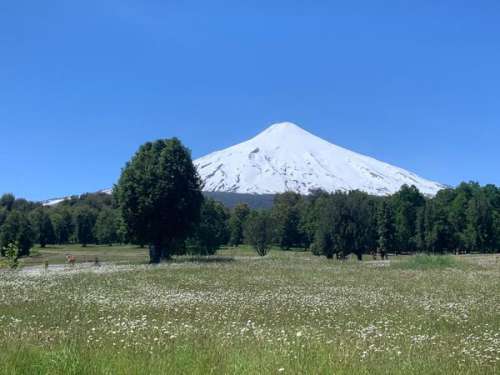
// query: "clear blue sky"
[[84, 83]]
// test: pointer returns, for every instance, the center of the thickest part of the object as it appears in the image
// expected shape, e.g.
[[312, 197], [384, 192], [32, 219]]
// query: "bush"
[[259, 231]]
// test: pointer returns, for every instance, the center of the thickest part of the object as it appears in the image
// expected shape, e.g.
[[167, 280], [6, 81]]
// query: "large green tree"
[[17, 230], [159, 194], [107, 226], [237, 223], [63, 223], [42, 225], [286, 216], [406, 203], [85, 219], [385, 228], [212, 230]]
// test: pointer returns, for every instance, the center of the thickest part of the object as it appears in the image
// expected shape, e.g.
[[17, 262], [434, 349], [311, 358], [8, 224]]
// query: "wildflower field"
[[287, 313]]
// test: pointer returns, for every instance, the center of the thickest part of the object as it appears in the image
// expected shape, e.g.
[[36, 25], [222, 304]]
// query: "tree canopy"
[[159, 194]]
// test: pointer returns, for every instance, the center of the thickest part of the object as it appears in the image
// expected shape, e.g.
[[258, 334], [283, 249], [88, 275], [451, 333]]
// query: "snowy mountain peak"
[[288, 128], [285, 157], [284, 132]]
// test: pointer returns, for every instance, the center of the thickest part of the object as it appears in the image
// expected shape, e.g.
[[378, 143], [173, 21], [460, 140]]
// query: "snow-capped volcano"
[[285, 157]]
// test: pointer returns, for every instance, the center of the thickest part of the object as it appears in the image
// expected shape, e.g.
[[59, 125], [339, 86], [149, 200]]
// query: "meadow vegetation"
[[237, 313]]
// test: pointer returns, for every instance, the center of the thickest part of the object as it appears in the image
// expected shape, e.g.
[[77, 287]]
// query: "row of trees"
[[96, 219], [158, 202], [460, 220], [75, 221]]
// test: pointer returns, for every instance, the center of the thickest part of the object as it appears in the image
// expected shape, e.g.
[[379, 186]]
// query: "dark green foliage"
[[107, 227], [22, 205], [42, 226], [7, 201], [3, 215], [85, 219], [347, 224], [237, 223], [17, 230], [310, 212], [97, 201], [479, 224], [385, 228], [62, 221], [258, 231], [159, 193], [212, 230], [406, 204], [286, 218]]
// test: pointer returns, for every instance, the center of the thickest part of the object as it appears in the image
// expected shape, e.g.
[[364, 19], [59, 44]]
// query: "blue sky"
[[83, 84]]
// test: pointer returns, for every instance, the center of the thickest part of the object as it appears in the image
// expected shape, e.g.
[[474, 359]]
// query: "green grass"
[[429, 262], [289, 313]]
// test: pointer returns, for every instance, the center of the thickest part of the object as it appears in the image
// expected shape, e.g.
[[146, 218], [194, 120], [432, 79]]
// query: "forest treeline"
[[460, 220], [158, 203]]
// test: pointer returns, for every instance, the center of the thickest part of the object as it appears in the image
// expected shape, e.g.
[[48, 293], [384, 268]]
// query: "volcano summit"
[[285, 157]]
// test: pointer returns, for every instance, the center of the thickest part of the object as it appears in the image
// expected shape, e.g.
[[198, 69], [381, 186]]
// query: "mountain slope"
[[285, 157]]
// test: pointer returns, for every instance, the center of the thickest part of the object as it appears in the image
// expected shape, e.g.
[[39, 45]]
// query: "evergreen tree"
[[237, 223], [478, 231], [212, 230], [17, 230], [106, 227], [159, 193], [63, 224], [457, 214], [385, 229], [287, 220], [438, 236], [406, 204], [42, 226], [7, 201], [3, 215], [310, 214], [85, 219]]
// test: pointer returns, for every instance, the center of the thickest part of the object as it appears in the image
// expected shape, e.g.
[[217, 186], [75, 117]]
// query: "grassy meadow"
[[235, 313]]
